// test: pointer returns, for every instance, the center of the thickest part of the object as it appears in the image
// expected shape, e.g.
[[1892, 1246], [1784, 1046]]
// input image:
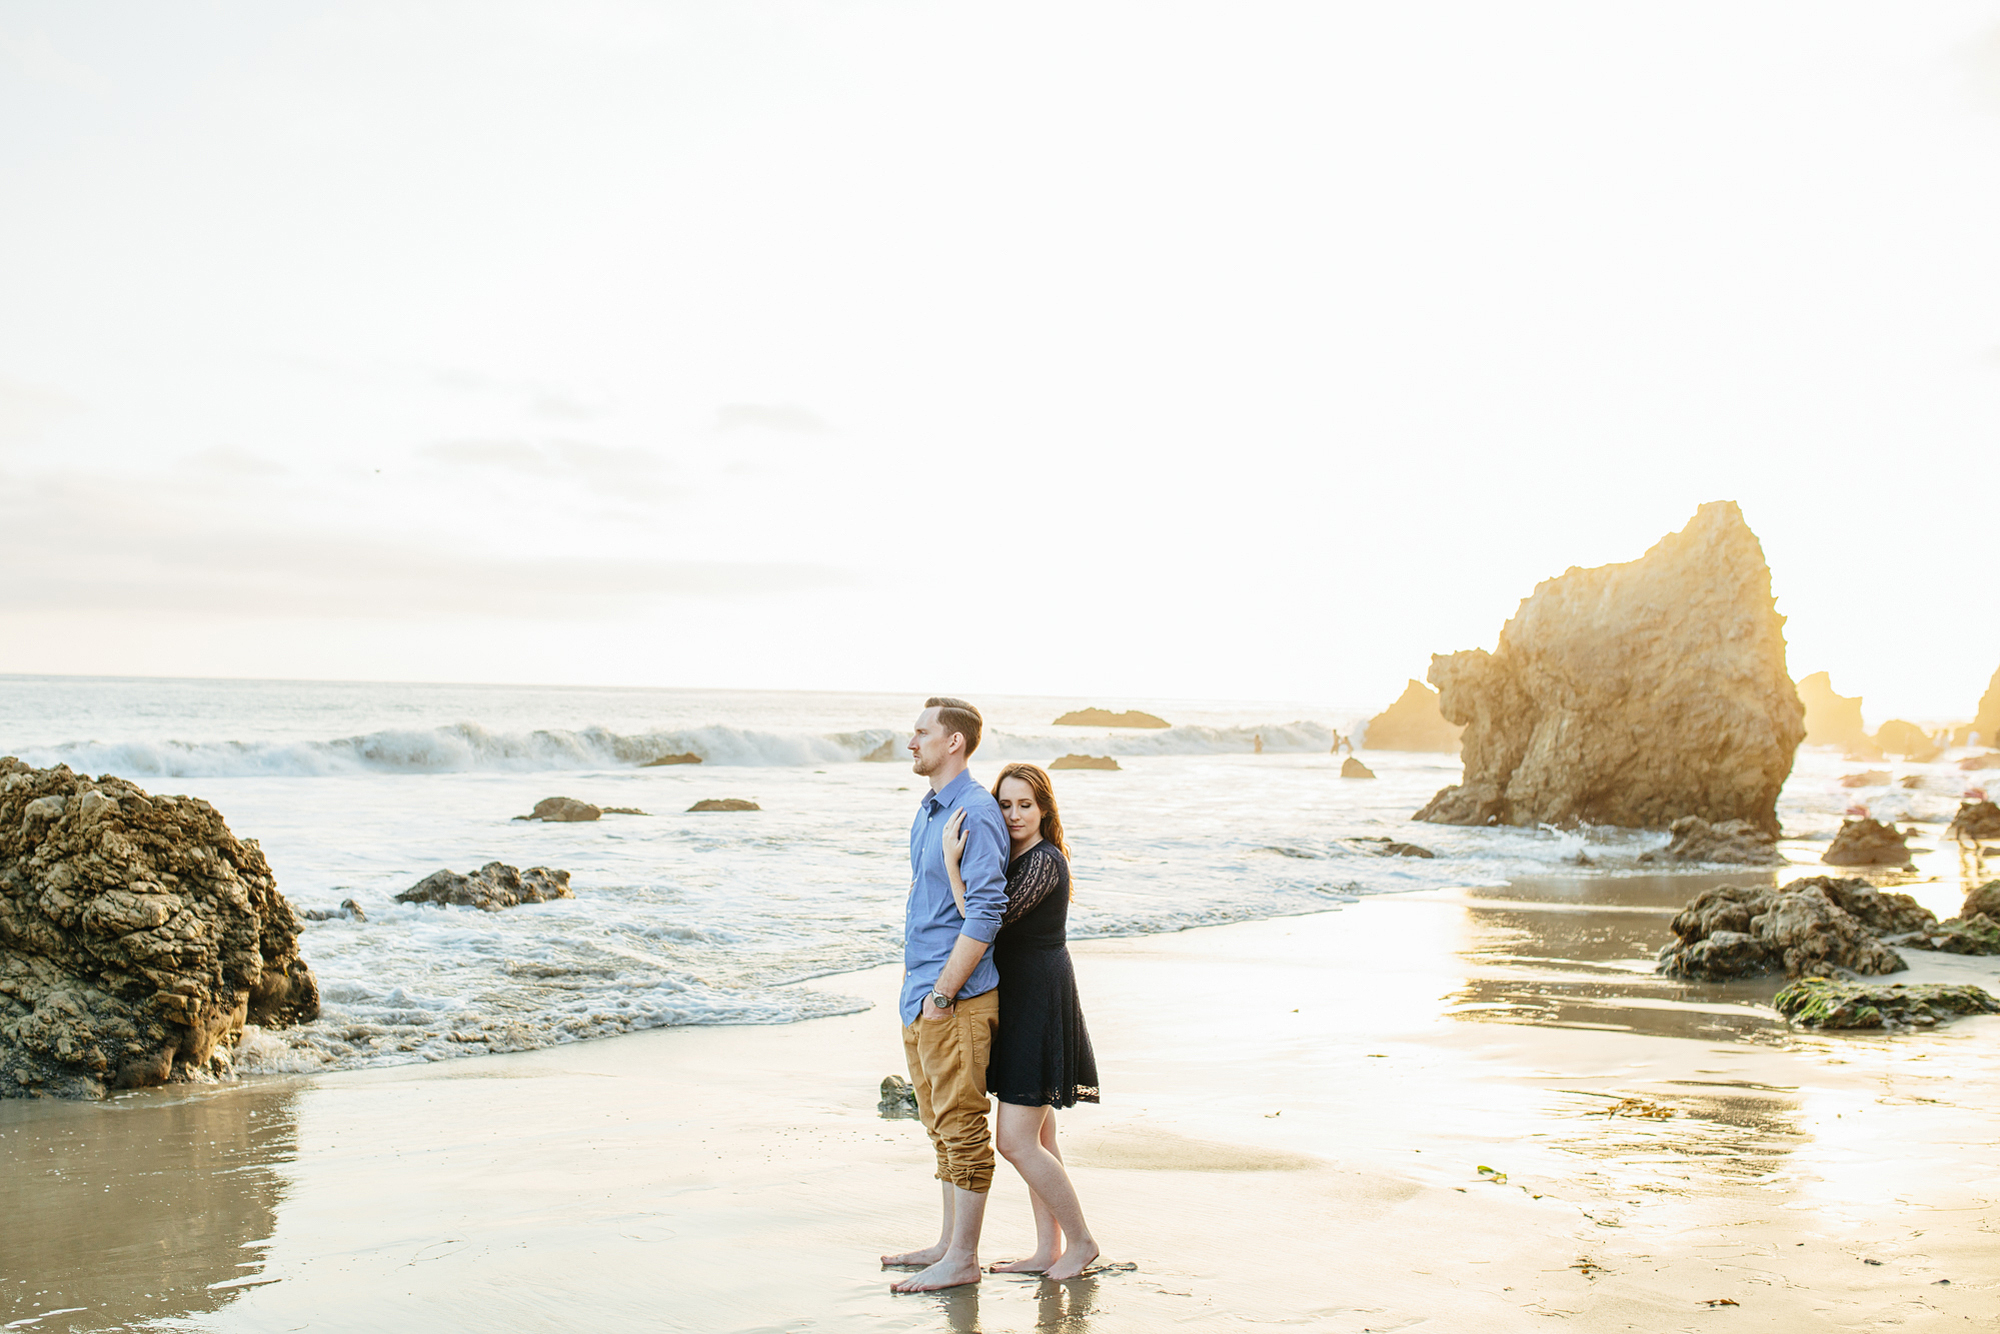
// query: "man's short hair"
[[955, 715]]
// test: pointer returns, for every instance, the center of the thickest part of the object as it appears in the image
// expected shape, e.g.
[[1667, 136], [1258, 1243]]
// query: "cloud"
[[782, 417], [28, 410]]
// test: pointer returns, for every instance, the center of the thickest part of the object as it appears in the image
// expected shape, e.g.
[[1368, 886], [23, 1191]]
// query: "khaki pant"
[[947, 1059]]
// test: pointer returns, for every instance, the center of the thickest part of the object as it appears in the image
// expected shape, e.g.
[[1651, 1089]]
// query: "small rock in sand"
[[1805, 927], [1975, 819], [724, 804], [492, 887], [1822, 1002], [898, 1101], [1729, 843], [1868, 842], [1084, 762], [1353, 768]]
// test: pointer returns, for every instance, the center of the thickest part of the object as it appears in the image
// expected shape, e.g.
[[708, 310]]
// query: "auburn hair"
[[1045, 797]]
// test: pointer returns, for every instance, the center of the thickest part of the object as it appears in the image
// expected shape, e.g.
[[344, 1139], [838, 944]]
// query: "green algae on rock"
[[1822, 1002]]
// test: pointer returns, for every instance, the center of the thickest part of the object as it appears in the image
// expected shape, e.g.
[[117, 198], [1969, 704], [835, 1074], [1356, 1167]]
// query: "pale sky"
[[1239, 350]]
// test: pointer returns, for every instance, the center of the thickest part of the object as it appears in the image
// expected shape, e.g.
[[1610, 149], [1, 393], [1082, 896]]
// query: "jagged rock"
[[1807, 926], [1353, 768], [1880, 910], [564, 810], [1975, 819], [1084, 762], [1907, 740], [1413, 722], [1868, 842], [1831, 720], [889, 750], [1985, 899], [1987, 722], [1867, 778], [348, 910], [1631, 694], [1975, 933], [1731, 843], [724, 804], [492, 887], [1106, 718], [137, 937], [685, 757], [1819, 1002]]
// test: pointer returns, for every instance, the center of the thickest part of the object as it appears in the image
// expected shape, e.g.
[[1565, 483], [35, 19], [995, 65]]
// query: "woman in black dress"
[[1041, 1051]]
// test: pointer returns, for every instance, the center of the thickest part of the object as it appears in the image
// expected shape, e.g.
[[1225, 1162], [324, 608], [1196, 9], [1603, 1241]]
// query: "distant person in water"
[[1257, 744], [950, 1003], [1041, 1054]]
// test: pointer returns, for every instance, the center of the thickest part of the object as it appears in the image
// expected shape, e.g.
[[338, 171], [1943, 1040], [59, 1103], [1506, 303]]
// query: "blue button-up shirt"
[[932, 923]]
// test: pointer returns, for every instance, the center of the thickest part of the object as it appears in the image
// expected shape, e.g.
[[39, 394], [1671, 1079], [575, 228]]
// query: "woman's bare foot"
[[1073, 1262], [922, 1259], [1034, 1264], [950, 1272]]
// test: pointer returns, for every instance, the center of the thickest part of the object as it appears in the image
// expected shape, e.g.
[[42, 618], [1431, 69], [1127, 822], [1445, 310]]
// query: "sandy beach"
[[1297, 1116]]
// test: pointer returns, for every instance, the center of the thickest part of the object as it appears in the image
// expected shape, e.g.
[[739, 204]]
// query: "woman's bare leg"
[[1032, 1125], [1043, 1171]]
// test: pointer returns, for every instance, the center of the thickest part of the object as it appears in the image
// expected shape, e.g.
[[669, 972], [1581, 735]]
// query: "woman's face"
[[1018, 809]]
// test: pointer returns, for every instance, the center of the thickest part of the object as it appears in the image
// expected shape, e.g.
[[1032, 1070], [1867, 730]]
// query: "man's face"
[[929, 744]]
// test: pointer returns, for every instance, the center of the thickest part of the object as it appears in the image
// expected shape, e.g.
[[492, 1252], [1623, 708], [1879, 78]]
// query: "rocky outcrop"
[[1353, 768], [1974, 934], [1990, 760], [1975, 820], [724, 804], [1413, 722], [1985, 899], [1907, 740], [492, 887], [563, 810], [1106, 718], [348, 910], [137, 937], [1084, 762], [1831, 720], [1631, 694], [684, 757], [1868, 842], [1731, 843], [1987, 722], [1866, 778], [1808, 926], [1821, 1002]]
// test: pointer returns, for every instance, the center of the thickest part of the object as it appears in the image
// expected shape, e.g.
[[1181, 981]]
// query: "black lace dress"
[[1041, 1050]]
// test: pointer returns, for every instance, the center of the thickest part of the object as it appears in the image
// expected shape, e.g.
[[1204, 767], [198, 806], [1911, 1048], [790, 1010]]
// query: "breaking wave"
[[470, 748]]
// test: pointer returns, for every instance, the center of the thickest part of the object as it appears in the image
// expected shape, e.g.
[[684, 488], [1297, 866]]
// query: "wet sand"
[[1297, 1112]]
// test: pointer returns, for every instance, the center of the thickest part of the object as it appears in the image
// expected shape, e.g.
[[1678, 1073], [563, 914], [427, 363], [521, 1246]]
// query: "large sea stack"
[[137, 937], [1631, 694], [1987, 723], [1834, 720]]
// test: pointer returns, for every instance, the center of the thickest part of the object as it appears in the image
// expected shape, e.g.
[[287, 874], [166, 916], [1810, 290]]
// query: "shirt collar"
[[953, 791]]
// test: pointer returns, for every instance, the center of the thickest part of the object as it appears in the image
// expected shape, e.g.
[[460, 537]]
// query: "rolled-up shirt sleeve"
[[984, 870]]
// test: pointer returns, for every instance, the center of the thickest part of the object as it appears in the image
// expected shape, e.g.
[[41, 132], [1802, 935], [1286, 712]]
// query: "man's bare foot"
[[1034, 1264], [922, 1259], [952, 1272], [1073, 1262]]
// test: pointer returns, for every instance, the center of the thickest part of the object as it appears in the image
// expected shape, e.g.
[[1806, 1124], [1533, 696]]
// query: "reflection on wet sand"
[[149, 1206], [1580, 954]]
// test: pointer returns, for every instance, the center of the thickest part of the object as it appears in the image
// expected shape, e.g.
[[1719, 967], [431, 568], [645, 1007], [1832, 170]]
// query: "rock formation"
[[889, 750], [1987, 722], [137, 937], [1808, 926], [1990, 760], [1631, 694], [684, 757], [563, 810], [1831, 720], [492, 887], [1731, 843], [1866, 778], [1975, 820], [1973, 933], [1106, 718], [1821, 1002], [1353, 768], [348, 910], [1413, 722], [724, 804], [1911, 742], [1985, 899], [1867, 842], [1084, 762]]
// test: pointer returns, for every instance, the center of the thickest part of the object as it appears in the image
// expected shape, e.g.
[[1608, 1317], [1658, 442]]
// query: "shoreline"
[[1296, 1111]]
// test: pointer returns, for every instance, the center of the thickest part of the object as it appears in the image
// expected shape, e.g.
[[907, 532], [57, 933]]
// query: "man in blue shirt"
[[951, 992]]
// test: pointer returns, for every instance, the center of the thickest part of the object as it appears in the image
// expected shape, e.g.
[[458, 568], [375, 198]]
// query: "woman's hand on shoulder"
[[954, 837]]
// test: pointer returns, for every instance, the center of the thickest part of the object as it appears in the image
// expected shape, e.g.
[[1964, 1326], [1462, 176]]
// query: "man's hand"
[[931, 1009]]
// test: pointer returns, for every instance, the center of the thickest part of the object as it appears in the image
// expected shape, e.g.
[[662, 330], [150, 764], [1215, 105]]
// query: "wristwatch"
[[942, 1001]]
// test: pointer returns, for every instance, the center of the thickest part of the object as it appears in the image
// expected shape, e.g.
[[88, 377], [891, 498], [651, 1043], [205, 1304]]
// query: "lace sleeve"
[[1038, 875]]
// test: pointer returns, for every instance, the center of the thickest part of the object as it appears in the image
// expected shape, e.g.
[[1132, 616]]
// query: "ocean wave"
[[470, 748]]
